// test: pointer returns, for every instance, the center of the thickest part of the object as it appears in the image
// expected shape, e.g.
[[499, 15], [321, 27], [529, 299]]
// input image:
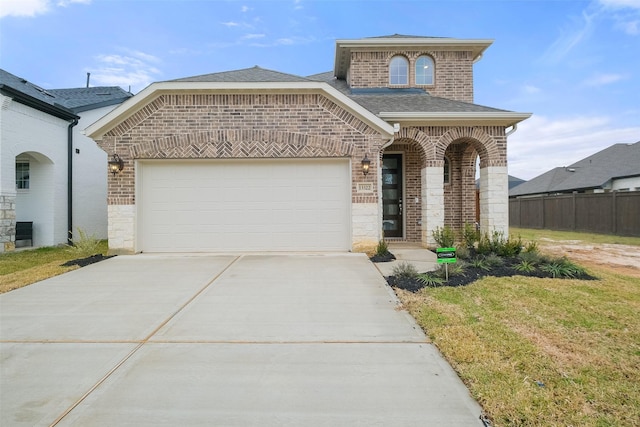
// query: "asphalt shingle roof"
[[250, 75], [595, 171], [74, 99]]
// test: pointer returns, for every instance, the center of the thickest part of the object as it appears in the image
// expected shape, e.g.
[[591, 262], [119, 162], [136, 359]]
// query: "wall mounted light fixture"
[[365, 165], [115, 164]]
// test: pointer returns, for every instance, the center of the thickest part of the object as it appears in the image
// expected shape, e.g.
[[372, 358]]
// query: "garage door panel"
[[256, 205]]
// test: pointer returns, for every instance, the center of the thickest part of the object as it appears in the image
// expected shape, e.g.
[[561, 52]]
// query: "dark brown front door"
[[392, 195]]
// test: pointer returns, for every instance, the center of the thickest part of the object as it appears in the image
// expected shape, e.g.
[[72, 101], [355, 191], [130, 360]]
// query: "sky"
[[574, 64]]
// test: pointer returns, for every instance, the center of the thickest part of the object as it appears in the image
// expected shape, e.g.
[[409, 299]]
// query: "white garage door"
[[244, 205]]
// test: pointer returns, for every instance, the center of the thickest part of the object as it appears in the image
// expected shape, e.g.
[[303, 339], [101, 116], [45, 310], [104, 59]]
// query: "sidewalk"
[[422, 259]]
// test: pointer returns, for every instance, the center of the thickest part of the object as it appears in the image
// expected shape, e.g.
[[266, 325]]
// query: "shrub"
[[480, 263], [525, 266], [84, 245], [430, 279], [463, 252], [444, 237], [531, 257], [494, 260], [562, 267], [382, 248], [531, 247], [470, 235], [510, 247], [455, 269], [484, 245], [404, 270]]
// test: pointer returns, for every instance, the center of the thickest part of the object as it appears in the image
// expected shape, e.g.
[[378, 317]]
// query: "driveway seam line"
[[141, 343]]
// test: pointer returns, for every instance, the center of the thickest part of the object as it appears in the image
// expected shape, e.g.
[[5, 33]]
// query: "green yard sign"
[[446, 255]]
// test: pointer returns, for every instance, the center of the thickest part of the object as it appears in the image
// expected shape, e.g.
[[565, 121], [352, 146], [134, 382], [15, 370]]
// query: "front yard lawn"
[[22, 268]]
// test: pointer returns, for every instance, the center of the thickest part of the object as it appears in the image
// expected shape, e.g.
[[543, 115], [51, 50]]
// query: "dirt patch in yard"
[[622, 259]]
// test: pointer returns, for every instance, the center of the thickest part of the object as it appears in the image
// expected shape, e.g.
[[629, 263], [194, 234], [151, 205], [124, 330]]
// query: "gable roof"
[[595, 171], [345, 46], [61, 102], [254, 74]]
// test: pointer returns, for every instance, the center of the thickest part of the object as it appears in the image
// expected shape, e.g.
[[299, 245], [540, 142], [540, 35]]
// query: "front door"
[[392, 195]]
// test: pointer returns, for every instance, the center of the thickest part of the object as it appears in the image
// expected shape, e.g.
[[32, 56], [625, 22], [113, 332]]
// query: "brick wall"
[[453, 76], [240, 126]]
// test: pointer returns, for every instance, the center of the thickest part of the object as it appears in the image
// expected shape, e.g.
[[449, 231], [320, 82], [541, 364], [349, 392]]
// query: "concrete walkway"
[[253, 340], [422, 259]]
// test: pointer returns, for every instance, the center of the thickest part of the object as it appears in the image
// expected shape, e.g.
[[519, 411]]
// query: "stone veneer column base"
[[494, 200], [366, 226], [432, 203], [121, 231], [7, 222]]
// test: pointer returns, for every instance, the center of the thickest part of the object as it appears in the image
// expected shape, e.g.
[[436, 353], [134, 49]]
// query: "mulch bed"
[[387, 257], [82, 262], [471, 274]]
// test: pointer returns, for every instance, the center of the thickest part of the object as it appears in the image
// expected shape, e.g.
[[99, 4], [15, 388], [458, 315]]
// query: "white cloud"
[[541, 144], [31, 8], [24, 7], [245, 9], [531, 89], [133, 68], [253, 36], [619, 4], [603, 79], [230, 24], [630, 27], [570, 38]]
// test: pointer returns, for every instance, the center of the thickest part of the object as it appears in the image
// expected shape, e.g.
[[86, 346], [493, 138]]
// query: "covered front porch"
[[428, 182]]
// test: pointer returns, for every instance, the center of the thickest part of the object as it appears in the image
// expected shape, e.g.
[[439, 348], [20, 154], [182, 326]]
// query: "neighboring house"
[[261, 160], [616, 168], [51, 174]]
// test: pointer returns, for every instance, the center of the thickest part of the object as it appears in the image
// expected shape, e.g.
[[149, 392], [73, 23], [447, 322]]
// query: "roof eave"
[[498, 118], [344, 46], [51, 109], [97, 130]]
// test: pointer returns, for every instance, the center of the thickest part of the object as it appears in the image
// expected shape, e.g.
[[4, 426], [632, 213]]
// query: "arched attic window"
[[424, 70], [399, 71]]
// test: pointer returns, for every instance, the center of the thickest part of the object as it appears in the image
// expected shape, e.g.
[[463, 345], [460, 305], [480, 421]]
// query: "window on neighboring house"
[[22, 175], [399, 71], [424, 71], [447, 171]]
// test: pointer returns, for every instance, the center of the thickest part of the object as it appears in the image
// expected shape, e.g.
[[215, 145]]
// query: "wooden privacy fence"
[[608, 213]]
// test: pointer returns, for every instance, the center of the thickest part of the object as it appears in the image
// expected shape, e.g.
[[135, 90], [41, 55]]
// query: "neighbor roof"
[[595, 171], [64, 102]]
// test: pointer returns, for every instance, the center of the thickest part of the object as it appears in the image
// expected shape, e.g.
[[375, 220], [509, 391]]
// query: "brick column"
[[494, 200], [432, 203]]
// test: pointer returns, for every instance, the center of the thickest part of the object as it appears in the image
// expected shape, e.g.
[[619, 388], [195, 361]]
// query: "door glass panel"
[[389, 178], [389, 163], [391, 209], [390, 224], [390, 194]]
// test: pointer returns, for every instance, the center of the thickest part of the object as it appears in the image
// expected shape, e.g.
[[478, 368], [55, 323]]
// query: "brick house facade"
[[266, 120]]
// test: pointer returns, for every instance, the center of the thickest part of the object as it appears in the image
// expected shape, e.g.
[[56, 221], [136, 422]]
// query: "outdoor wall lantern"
[[365, 165], [115, 164]]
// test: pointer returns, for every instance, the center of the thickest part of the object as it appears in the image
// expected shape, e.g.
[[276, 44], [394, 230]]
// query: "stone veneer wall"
[[453, 78], [190, 126], [7, 222]]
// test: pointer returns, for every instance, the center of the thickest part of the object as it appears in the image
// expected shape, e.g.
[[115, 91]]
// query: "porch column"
[[494, 200], [432, 202]]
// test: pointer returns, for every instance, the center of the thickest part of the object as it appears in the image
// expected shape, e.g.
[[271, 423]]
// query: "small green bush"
[[481, 263], [531, 247], [404, 270], [455, 269], [470, 235], [382, 248], [430, 279], [444, 237], [525, 266], [562, 267], [84, 245], [494, 260], [484, 245], [463, 252]]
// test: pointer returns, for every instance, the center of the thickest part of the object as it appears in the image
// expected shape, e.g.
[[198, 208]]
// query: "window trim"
[[433, 70], [405, 63], [446, 171], [26, 181]]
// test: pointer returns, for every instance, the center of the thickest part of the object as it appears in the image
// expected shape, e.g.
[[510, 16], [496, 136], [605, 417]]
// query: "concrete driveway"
[[215, 340]]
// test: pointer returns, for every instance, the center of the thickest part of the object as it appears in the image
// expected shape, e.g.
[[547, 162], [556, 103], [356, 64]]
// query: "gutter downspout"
[[513, 129], [70, 181]]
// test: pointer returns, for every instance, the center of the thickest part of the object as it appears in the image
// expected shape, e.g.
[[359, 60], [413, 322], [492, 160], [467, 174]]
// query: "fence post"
[[614, 222], [573, 207], [542, 204]]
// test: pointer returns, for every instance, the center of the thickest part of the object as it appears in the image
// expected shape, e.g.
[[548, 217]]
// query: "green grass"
[[531, 234], [545, 352], [21, 268]]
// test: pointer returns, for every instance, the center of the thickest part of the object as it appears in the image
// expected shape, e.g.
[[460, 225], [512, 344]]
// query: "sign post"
[[446, 256]]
